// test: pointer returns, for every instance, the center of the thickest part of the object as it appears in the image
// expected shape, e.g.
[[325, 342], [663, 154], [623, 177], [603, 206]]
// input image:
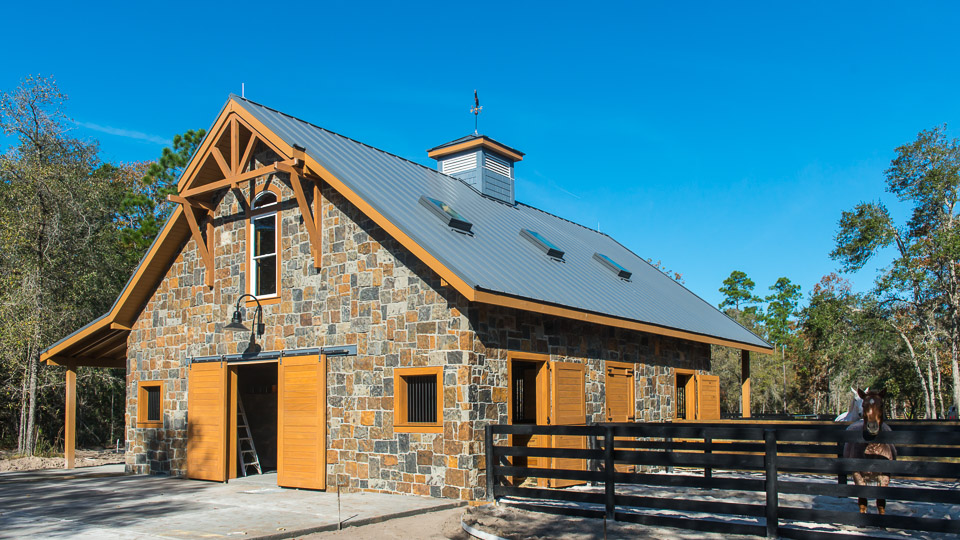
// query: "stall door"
[[708, 397], [621, 405], [302, 422], [568, 407], [620, 392], [207, 421]]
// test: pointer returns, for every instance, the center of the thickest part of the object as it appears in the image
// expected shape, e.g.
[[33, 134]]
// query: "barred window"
[[418, 399], [150, 404]]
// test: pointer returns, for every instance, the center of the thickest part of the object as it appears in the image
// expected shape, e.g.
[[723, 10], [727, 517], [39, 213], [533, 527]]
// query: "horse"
[[871, 425], [854, 410]]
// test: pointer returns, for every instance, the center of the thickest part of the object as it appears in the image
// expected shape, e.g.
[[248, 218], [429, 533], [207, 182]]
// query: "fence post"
[[609, 471], [770, 461], [488, 443], [841, 478], [707, 471]]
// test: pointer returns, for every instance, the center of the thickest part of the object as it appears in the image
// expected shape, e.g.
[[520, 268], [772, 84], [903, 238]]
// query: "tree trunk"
[[916, 365], [22, 429], [932, 413], [956, 369], [32, 407]]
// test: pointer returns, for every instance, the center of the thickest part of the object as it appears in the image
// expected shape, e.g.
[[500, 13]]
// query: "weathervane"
[[476, 112]]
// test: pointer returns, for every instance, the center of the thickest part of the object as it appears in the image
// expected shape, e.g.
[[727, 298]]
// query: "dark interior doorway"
[[257, 389], [524, 387]]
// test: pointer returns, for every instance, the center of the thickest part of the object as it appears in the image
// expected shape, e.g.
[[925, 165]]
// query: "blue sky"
[[711, 136]]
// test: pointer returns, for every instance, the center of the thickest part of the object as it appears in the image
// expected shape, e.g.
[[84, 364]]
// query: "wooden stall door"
[[207, 421], [708, 397], [302, 423], [568, 407], [621, 404]]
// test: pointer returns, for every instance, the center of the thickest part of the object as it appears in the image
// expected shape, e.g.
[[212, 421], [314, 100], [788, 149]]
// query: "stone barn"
[[320, 308]]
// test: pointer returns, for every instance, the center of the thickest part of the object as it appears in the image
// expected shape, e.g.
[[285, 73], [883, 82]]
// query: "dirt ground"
[[84, 458], [444, 524], [509, 523]]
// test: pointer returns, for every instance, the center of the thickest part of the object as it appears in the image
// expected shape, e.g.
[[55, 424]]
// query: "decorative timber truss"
[[234, 157]]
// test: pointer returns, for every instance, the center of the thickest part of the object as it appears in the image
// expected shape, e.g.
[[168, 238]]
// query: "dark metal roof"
[[496, 258], [473, 137]]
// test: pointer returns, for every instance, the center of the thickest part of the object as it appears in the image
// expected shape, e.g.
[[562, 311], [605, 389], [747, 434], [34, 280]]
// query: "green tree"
[[737, 289], [782, 308], [56, 213], [921, 286], [145, 207]]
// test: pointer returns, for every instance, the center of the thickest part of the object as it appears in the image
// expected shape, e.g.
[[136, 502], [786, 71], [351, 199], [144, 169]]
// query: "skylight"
[[444, 211], [538, 240], [622, 272]]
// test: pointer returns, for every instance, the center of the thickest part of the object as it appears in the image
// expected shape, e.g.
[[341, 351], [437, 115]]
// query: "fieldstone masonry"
[[372, 293]]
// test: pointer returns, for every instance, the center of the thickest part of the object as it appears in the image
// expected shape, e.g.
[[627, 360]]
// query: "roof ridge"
[[361, 143]]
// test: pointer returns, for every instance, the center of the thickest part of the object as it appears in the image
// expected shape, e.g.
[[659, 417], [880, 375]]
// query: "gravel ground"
[[84, 458]]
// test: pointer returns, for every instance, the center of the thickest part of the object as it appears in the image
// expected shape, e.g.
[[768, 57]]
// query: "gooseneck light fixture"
[[236, 323]]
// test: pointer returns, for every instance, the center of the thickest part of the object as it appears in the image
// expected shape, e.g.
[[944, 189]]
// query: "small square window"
[[418, 400], [150, 404]]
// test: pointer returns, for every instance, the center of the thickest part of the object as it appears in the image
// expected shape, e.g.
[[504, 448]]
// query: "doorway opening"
[[686, 395], [257, 392]]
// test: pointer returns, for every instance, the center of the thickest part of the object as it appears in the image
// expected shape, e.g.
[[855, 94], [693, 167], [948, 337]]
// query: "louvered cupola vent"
[[481, 162]]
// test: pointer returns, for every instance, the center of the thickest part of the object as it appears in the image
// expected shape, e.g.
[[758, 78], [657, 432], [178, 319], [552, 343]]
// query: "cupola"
[[481, 162]]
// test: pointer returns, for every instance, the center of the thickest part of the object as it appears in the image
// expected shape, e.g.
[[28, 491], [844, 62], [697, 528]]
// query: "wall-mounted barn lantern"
[[236, 323]]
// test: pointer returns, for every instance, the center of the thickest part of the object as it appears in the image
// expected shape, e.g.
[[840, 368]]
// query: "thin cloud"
[[120, 132]]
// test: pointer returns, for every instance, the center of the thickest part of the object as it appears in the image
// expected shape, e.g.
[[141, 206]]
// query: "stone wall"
[[372, 293]]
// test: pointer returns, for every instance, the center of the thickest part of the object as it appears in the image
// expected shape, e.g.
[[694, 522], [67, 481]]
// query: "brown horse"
[[871, 425]]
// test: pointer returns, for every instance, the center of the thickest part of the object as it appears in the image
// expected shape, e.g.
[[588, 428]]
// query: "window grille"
[[153, 403], [421, 398]]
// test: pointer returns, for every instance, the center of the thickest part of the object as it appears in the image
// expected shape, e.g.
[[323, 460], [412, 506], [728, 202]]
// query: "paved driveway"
[[101, 502]]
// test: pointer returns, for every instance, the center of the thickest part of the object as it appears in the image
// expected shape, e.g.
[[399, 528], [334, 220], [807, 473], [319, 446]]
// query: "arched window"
[[264, 258]]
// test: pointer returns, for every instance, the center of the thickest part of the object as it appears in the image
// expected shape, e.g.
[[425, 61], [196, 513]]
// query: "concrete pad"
[[101, 502]]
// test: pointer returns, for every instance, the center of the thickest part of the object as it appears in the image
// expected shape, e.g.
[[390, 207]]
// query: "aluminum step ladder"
[[245, 447]]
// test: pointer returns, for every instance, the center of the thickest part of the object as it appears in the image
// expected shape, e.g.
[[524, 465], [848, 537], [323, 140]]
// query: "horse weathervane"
[[476, 112]]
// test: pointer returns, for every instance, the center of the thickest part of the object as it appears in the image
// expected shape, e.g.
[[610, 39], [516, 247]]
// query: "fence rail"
[[808, 453]]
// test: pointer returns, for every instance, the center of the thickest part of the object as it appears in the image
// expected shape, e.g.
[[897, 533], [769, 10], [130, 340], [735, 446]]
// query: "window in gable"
[[541, 242], [264, 258], [622, 272], [444, 211]]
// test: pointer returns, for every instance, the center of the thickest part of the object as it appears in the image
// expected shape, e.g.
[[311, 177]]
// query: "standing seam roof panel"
[[497, 258]]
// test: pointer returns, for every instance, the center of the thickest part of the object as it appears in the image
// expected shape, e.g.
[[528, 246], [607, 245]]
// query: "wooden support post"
[[770, 461], [745, 384], [70, 417], [490, 457], [609, 470]]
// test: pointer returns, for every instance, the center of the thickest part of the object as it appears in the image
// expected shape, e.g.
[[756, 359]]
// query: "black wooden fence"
[[759, 455]]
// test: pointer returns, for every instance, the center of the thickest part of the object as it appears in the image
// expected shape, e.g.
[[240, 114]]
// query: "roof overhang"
[[480, 142]]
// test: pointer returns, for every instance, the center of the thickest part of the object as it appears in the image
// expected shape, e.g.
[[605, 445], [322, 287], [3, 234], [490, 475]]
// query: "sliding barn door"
[[568, 408], [207, 421], [708, 397], [302, 423]]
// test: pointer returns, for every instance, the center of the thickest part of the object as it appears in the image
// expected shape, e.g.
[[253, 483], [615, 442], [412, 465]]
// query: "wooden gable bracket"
[[297, 174], [205, 246]]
